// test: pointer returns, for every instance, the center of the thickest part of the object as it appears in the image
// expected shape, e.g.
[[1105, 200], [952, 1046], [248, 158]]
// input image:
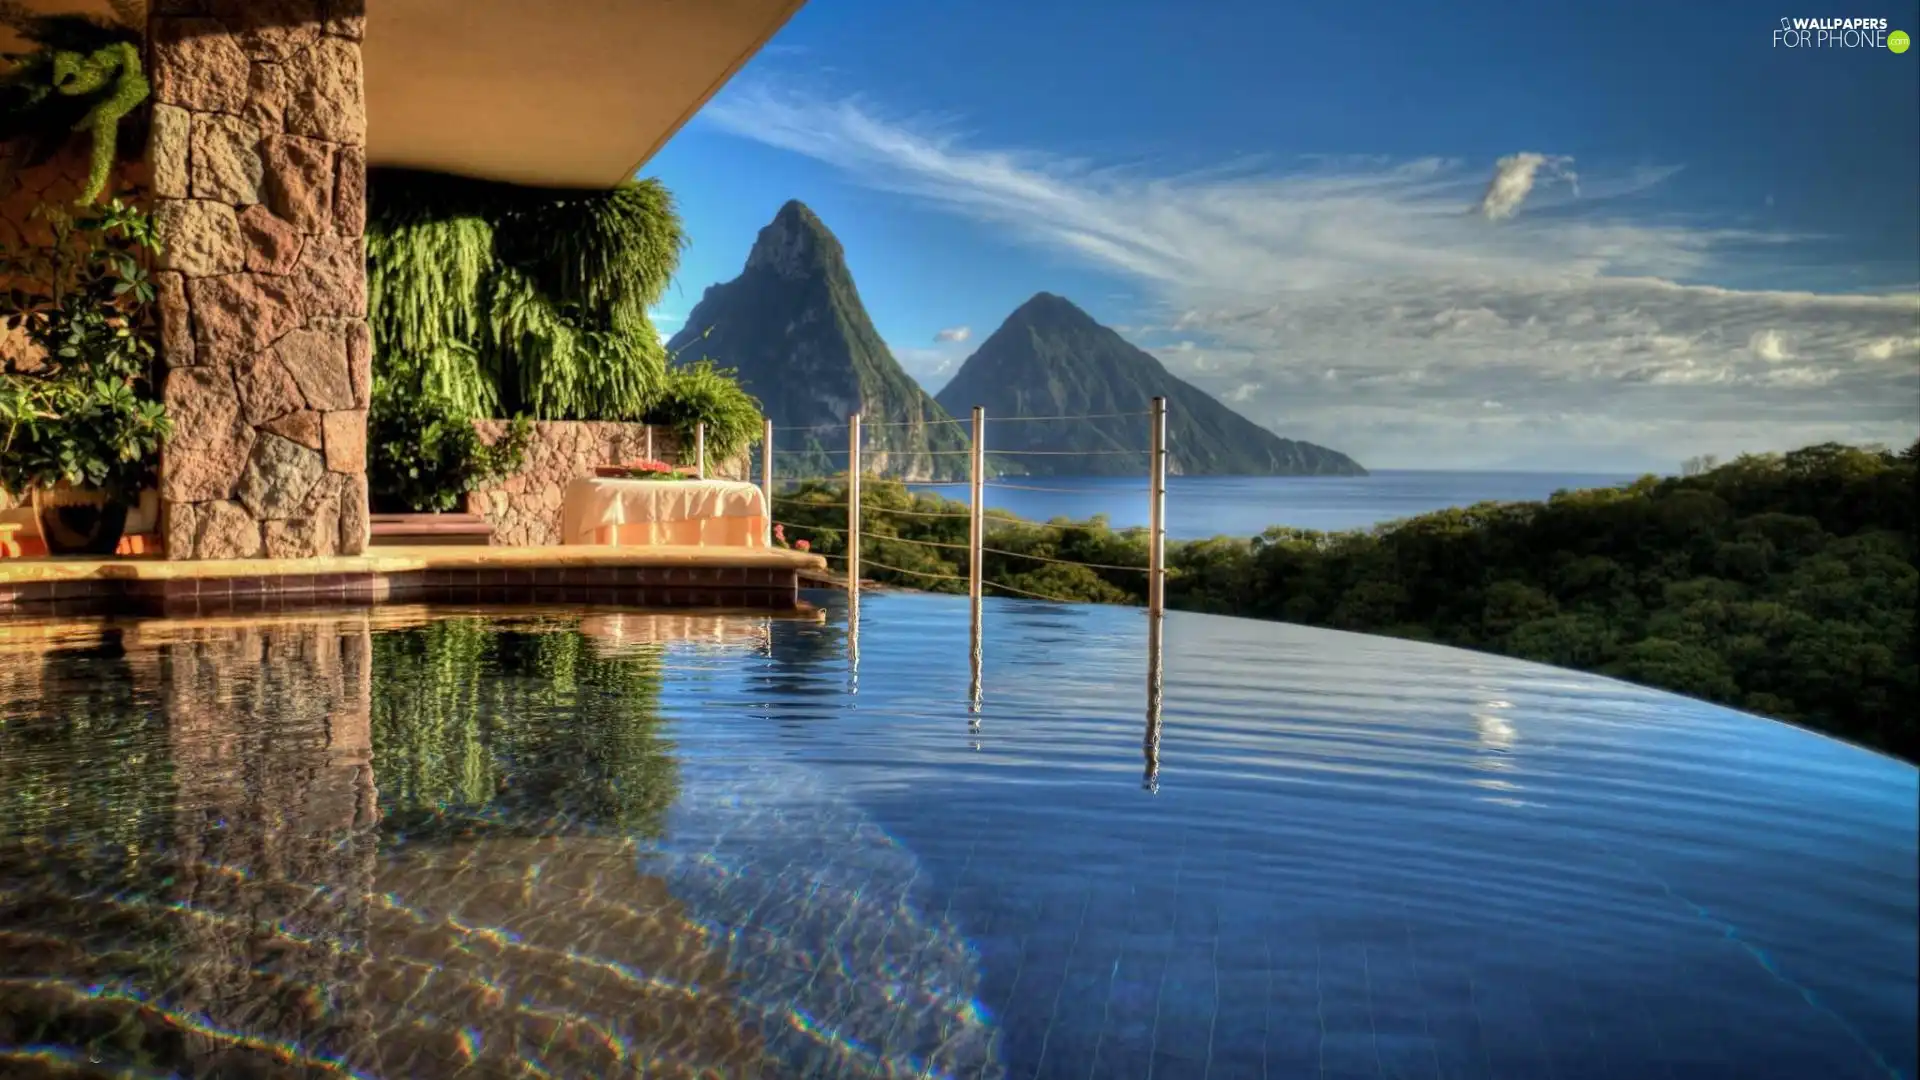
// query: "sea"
[[1199, 507]]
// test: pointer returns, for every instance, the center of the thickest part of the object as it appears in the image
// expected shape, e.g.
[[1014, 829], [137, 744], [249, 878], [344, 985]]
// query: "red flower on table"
[[802, 545]]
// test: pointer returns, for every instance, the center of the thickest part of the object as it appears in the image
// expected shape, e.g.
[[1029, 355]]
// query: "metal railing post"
[[1157, 513], [853, 504], [766, 475], [649, 442], [976, 510], [700, 449]]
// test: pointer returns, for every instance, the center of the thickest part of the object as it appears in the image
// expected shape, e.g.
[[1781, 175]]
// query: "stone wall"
[[258, 168], [525, 509]]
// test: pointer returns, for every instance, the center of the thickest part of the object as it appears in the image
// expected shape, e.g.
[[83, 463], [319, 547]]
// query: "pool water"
[[432, 843]]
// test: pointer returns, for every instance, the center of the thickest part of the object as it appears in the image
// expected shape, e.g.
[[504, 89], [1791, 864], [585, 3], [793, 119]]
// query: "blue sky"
[[1548, 236]]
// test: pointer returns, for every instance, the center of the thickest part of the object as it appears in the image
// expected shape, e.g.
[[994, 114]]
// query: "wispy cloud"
[[1513, 179], [1378, 306], [954, 334]]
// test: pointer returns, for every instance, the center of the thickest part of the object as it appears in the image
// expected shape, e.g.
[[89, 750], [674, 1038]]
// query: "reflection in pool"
[[413, 844]]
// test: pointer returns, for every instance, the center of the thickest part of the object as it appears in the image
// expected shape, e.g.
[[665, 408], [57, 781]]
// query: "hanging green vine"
[[510, 299], [85, 76], [505, 300]]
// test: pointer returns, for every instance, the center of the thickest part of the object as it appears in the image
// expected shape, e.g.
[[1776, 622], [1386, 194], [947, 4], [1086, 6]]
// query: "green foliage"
[[84, 76], [517, 727], [1780, 584], [425, 454], [89, 415], [503, 299], [700, 393]]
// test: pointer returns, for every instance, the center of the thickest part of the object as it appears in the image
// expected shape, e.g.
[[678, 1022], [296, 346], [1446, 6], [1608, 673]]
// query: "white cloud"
[[954, 334], [1374, 306], [1768, 345], [932, 366], [1513, 178]]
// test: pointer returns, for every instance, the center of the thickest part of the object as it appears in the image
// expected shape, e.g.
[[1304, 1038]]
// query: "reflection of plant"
[[426, 455], [87, 415], [517, 727], [84, 76], [83, 759]]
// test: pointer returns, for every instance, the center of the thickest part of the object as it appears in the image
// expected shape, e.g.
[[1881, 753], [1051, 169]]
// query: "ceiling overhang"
[[562, 93], [579, 93]]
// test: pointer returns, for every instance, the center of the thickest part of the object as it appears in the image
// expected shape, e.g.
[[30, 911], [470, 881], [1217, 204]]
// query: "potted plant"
[[81, 424], [425, 457]]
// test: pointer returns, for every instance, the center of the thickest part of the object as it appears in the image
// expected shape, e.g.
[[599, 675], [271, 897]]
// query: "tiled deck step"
[[415, 530], [639, 577]]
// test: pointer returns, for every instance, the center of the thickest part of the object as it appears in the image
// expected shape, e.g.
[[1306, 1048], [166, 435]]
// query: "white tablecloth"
[[693, 513]]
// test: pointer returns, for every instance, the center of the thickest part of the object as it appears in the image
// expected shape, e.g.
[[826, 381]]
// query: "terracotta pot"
[[79, 521]]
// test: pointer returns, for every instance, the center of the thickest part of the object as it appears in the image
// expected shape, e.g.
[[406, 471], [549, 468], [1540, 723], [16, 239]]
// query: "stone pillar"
[[258, 159]]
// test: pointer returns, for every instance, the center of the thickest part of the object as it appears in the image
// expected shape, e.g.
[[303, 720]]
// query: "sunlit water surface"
[[414, 845]]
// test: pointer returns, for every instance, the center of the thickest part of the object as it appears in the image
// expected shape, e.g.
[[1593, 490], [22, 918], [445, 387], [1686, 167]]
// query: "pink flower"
[[802, 545]]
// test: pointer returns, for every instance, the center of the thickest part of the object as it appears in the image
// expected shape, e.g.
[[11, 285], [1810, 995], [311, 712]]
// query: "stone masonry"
[[258, 165]]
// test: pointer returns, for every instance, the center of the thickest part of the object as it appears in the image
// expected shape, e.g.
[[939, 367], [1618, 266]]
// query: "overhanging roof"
[[566, 93], [557, 92]]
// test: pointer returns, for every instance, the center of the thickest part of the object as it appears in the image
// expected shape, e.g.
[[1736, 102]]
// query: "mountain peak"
[[795, 244], [1052, 359], [793, 327], [1047, 307]]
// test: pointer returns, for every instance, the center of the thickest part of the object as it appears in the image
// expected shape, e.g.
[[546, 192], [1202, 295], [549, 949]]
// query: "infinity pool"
[[414, 843]]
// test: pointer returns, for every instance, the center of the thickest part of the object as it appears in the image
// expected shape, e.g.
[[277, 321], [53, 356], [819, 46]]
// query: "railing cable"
[[1064, 562]]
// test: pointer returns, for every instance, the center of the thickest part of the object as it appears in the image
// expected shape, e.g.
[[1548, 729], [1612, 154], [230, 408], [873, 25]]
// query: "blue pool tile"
[[1407, 1056], [1234, 1069], [1195, 920], [1123, 1062], [1169, 1066], [1348, 1050], [1244, 993], [1293, 1051], [1068, 1055], [1154, 910]]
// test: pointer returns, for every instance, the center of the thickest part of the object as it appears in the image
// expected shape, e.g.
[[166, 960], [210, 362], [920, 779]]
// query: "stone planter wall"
[[525, 509], [258, 169]]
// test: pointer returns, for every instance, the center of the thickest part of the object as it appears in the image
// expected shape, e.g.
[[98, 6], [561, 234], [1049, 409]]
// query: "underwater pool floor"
[[492, 842]]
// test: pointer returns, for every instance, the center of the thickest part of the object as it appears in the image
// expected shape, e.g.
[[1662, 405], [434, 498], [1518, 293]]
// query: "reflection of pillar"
[[974, 665], [1151, 745], [853, 640], [272, 753]]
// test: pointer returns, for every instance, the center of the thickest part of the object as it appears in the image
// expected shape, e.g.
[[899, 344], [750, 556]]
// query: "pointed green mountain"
[[793, 326], [1052, 359]]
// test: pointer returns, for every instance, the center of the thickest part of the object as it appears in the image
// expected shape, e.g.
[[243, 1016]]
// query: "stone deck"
[[654, 577]]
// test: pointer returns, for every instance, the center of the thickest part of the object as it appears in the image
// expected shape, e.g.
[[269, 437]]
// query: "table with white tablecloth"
[[690, 513]]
